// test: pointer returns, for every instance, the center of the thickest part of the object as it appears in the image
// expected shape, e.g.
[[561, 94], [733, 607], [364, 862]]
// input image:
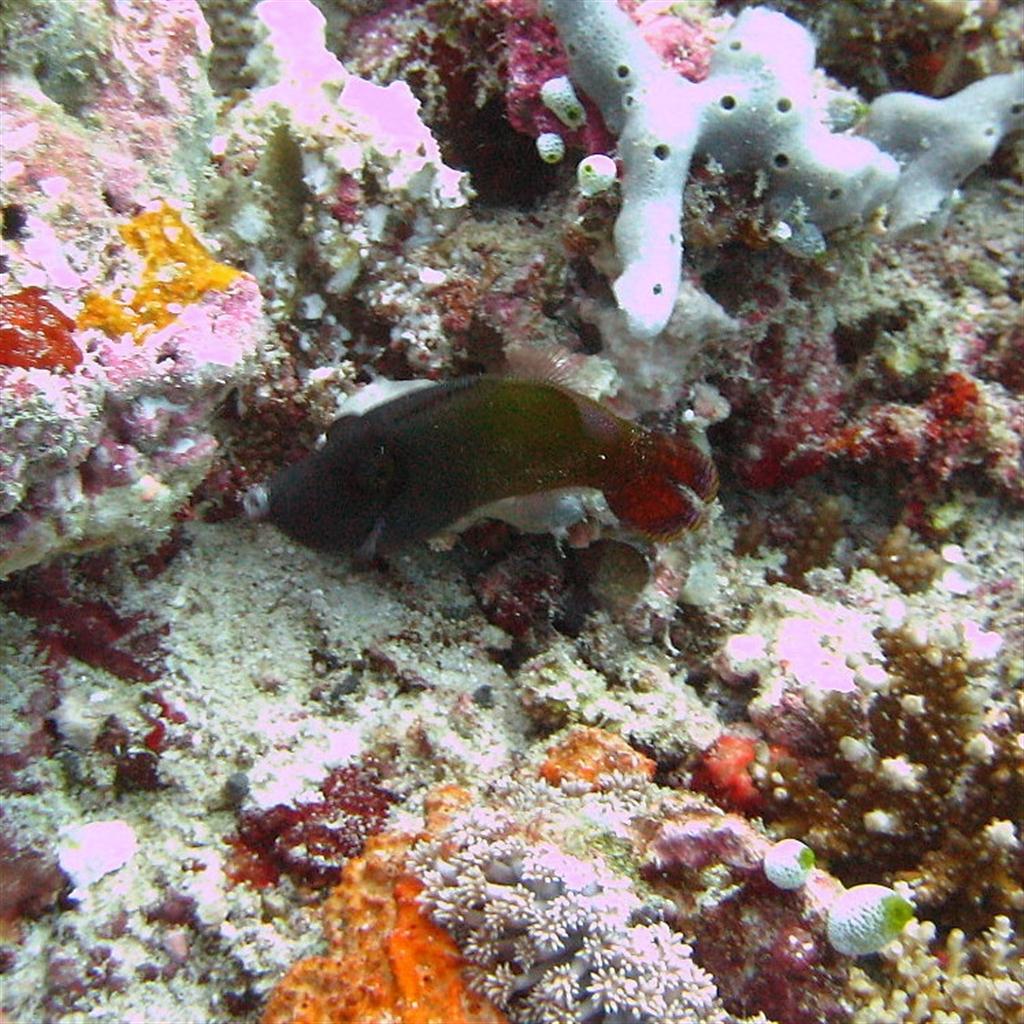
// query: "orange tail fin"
[[668, 494]]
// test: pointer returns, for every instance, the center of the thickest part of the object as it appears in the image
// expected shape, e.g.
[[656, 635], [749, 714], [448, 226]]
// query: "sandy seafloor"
[[246, 609], [286, 663]]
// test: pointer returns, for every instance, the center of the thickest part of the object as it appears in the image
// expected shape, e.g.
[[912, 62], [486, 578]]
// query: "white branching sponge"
[[764, 113], [657, 117], [552, 938], [939, 142], [763, 109], [866, 918]]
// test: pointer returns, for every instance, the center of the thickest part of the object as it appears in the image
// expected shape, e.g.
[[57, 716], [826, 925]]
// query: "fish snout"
[[256, 502]]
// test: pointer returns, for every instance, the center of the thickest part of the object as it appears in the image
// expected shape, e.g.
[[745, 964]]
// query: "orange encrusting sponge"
[[592, 755], [177, 271], [389, 963]]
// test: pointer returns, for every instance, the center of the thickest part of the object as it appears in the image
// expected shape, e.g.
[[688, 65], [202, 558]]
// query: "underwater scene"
[[511, 511]]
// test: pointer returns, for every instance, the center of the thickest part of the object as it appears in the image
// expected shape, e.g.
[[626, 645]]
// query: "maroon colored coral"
[[740, 919], [958, 426], [31, 882], [88, 628], [310, 842]]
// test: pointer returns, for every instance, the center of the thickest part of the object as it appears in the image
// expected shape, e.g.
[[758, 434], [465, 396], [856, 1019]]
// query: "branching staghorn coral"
[[918, 783], [979, 979]]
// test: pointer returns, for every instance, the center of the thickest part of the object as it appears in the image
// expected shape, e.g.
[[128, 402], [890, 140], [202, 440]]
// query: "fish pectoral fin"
[[367, 551]]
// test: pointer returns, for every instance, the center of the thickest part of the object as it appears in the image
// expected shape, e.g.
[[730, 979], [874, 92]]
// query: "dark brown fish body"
[[412, 466]]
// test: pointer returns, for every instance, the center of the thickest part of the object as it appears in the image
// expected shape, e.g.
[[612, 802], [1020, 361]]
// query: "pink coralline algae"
[[685, 45], [112, 452], [354, 181], [534, 55], [106, 429], [131, 124]]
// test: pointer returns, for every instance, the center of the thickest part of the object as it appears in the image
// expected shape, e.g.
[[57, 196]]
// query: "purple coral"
[[553, 938]]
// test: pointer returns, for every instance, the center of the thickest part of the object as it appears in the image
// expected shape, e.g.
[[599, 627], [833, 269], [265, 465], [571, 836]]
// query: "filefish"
[[414, 465]]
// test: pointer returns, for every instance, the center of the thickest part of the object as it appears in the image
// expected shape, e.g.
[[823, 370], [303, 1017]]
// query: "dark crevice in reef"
[[449, 59], [503, 165]]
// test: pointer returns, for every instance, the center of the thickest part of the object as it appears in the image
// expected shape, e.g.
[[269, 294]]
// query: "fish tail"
[[670, 489]]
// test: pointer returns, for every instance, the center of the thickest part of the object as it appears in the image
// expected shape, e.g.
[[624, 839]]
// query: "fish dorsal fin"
[[586, 375]]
